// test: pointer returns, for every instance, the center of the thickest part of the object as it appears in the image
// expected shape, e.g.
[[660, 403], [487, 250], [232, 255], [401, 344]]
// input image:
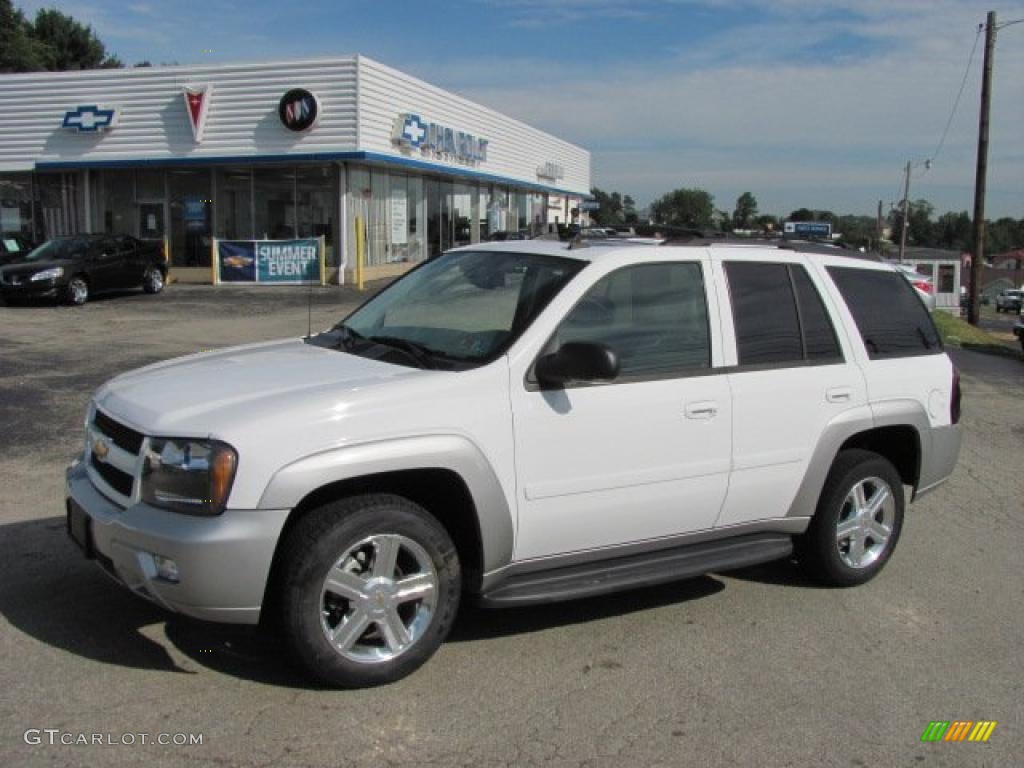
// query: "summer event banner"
[[270, 261]]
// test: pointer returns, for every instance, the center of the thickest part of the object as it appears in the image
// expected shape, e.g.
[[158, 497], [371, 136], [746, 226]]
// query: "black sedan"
[[73, 268]]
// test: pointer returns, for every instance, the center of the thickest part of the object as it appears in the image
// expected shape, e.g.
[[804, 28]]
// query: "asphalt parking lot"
[[752, 668]]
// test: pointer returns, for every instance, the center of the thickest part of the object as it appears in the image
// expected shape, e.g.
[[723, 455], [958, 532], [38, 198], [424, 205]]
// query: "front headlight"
[[190, 476], [48, 274]]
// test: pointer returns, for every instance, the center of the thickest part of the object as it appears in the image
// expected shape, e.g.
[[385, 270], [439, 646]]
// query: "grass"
[[959, 333]]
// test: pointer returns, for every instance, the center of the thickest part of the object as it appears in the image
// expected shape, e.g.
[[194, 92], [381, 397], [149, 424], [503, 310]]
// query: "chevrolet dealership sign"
[[438, 140]]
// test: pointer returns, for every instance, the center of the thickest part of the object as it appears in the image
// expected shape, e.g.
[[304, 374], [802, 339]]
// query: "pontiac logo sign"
[[100, 449], [90, 118], [197, 104], [299, 110]]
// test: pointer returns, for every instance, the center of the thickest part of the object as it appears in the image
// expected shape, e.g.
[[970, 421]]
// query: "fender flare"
[[293, 482], [892, 413]]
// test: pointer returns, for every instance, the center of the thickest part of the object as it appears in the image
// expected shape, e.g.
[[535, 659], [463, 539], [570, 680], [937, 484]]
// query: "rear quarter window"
[[892, 320]]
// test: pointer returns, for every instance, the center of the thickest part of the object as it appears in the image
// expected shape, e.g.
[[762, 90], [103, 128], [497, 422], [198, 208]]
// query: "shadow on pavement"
[[52, 594]]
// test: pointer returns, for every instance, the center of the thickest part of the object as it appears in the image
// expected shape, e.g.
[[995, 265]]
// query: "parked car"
[[13, 246], [1009, 300], [1018, 328], [73, 268], [522, 423], [922, 284], [502, 235]]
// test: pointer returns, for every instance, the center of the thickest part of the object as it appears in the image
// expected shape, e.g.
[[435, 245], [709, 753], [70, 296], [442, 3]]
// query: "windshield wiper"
[[421, 354], [346, 336]]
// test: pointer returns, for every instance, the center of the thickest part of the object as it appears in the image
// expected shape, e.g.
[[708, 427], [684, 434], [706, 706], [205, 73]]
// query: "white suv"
[[522, 422]]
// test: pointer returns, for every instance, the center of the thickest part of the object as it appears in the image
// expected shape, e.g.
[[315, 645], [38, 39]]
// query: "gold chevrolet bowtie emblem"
[[100, 449]]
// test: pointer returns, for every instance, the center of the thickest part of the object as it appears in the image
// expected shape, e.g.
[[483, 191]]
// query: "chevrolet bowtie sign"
[[90, 118], [413, 132]]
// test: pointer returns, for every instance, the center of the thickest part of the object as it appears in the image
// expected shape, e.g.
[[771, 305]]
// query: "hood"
[[209, 393], [18, 266]]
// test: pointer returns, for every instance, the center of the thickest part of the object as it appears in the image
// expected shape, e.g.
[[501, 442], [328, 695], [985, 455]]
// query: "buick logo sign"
[[299, 110]]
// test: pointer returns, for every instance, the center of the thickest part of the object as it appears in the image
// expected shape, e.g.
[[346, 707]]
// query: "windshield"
[[61, 248], [460, 310]]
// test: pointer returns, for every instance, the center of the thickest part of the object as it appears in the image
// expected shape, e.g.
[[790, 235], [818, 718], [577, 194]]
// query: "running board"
[[643, 570]]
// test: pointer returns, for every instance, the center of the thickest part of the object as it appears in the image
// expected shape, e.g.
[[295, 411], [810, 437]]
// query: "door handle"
[[839, 394], [705, 409]]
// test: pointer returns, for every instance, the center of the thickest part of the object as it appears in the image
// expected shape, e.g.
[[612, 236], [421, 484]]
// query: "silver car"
[[922, 284]]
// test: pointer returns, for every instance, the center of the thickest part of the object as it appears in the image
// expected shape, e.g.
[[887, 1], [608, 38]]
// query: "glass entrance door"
[[151, 221]]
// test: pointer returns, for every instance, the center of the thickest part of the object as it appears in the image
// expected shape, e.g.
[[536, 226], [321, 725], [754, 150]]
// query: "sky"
[[804, 103]]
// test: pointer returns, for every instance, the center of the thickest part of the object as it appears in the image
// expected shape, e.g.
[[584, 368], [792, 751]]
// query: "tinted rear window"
[[764, 313], [892, 320]]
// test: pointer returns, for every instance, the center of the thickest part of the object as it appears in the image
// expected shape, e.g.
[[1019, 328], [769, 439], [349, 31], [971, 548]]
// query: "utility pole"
[[978, 251], [878, 228], [906, 212]]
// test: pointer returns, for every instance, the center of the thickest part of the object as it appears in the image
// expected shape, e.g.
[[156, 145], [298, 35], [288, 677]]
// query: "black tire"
[[153, 280], [312, 549], [76, 293], [819, 550]]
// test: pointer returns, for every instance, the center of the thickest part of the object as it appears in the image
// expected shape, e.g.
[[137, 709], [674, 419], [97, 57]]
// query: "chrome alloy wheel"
[[154, 280], [865, 522], [78, 290], [378, 598]]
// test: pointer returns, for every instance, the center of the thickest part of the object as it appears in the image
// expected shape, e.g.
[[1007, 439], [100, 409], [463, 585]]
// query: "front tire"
[[77, 291], [370, 587], [857, 522]]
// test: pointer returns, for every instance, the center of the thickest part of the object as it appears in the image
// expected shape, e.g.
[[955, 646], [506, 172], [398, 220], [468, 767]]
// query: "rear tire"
[[370, 587], [857, 522], [153, 280]]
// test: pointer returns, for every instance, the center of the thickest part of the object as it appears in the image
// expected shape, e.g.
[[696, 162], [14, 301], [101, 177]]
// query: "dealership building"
[[275, 151]]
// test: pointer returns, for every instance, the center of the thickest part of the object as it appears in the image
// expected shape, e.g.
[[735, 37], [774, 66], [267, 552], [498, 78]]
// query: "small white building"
[[943, 267], [275, 150]]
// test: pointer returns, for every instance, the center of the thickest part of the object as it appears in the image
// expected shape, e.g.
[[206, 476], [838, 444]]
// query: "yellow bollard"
[[360, 251]]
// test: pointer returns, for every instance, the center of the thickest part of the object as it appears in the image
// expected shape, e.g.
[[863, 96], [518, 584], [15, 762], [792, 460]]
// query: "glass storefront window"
[[481, 218], [234, 204], [520, 211], [149, 185], [190, 206], [357, 206], [274, 195], [114, 202], [60, 204], [315, 193], [462, 214], [16, 204]]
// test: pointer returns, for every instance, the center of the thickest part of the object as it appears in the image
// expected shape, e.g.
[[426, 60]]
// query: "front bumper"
[[223, 561], [38, 289]]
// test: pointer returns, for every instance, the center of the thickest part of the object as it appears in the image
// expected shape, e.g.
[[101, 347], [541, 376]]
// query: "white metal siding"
[[242, 118], [359, 100], [515, 150]]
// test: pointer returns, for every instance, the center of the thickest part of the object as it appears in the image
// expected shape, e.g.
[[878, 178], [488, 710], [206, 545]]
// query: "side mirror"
[[577, 361]]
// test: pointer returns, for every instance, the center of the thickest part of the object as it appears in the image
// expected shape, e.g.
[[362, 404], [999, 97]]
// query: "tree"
[[767, 223], [69, 44], [54, 42], [953, 230], [629, 210], [19, 50], [745, 212], [684, 208], [610, 211]]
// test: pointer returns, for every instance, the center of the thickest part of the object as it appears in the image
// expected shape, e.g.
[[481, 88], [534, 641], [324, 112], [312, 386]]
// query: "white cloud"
[[749, 108]]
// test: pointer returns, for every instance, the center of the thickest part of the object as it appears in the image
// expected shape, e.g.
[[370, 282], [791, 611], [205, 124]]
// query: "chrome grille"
[[113, 456]]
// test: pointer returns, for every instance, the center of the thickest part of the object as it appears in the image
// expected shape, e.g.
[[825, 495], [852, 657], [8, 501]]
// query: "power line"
[[956, 102]]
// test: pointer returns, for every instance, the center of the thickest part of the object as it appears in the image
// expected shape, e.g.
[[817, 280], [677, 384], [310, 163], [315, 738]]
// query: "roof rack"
[[700, 238]]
